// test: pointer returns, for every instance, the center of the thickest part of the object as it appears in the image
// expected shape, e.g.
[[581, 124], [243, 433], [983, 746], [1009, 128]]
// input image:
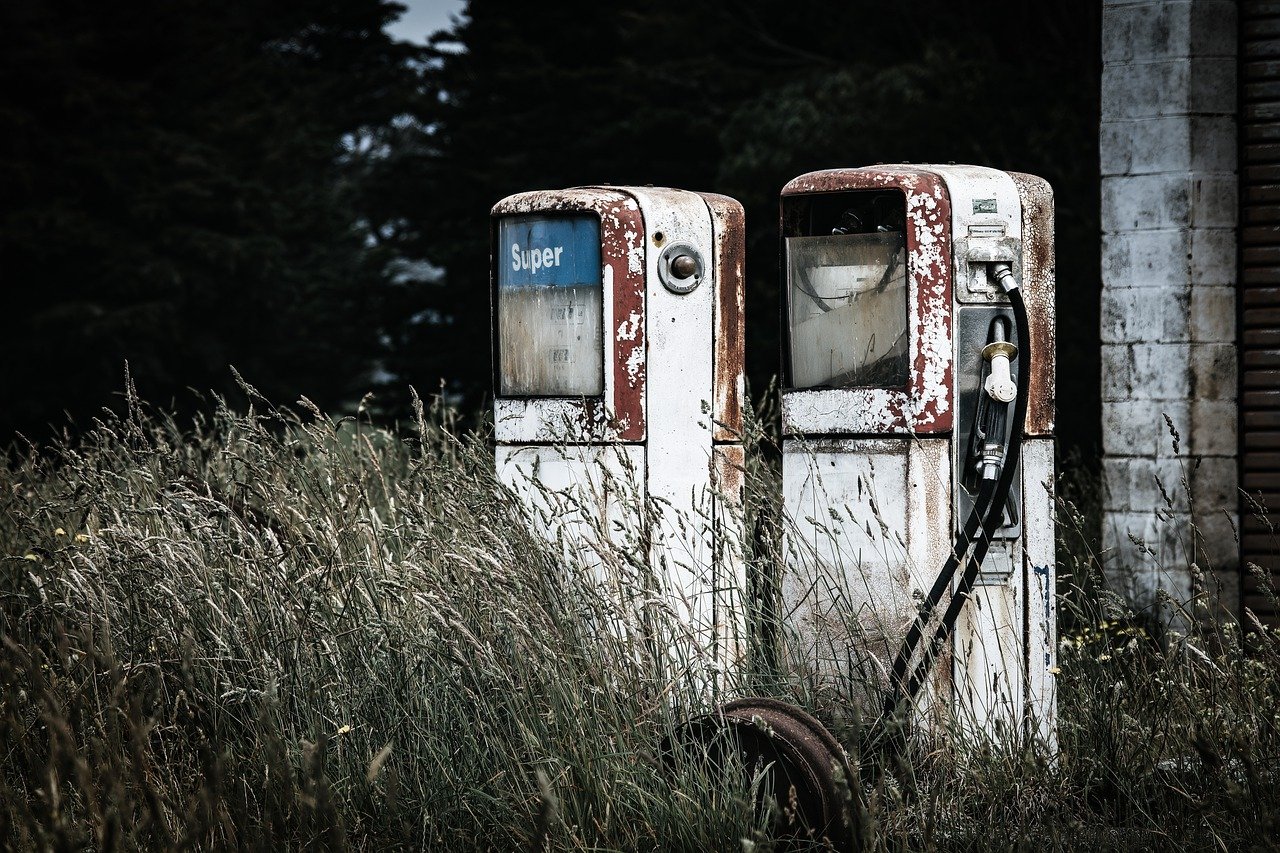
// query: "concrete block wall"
[[1169, 207]]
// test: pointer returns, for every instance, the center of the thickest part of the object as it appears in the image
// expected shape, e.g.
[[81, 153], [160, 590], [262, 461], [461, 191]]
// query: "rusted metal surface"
[[622, 417], [926, 405], [1038, 282], [806, 771], [679, 446], [1040, 588], [870, 525], [730, 253], [665, 338], [870, 496], [728, 473]]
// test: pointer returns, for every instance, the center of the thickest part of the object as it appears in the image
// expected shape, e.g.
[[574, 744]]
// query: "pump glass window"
[[847, 300], [550, 310]]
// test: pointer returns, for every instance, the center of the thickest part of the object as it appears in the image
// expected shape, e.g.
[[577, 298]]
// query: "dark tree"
[[736, 98], [279, 187], [175, 190]]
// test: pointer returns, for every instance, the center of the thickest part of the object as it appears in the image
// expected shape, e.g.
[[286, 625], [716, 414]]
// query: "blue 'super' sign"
[[545, 251]]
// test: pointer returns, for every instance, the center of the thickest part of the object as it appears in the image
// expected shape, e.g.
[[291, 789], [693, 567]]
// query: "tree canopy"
[[739, 98], [175, 194], [283, 188]]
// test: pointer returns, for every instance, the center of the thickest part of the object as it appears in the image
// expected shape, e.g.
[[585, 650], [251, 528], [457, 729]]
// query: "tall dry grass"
[[270, 629]]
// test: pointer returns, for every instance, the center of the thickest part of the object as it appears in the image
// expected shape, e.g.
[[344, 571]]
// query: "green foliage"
[[277, 630]]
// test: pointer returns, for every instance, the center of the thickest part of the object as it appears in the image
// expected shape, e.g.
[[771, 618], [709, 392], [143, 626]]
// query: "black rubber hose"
[[897, 677], [996, 513]]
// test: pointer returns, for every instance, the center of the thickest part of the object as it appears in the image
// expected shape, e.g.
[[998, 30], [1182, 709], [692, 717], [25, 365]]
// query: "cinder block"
[[1213, 372], [1135, 146], [1145, 145], [1213, 257], [1213, 142], [1160, 483], [1181, 86], [1213, 314], [1219, 543], [1126, 570], [1215, 484], [1146, 89], [1133, 484], [1137, 427], [1147, 202], [1145, 314], [1214, 428], [1161, 371], [1156, 259], [1145, 30], [1148, 371], [1115, 483], [1212, 85], [1158, 559], [1214, 201], [1117, 372]]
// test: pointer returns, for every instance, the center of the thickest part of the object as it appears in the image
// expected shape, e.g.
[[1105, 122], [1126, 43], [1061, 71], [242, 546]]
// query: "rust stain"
[[928, 404], [1038, 282], [622, 256], [729, 223], [729, 463]]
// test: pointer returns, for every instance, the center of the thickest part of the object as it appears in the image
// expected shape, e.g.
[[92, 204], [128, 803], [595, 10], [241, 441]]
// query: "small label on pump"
[[984, 205], [570, 312]]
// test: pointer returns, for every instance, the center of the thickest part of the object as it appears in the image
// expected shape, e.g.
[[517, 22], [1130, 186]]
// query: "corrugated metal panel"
[[1260, 301]]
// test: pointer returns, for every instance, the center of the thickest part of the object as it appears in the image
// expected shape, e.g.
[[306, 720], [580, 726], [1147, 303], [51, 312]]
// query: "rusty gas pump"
[[618, 386], [918, 410], [917, 414]]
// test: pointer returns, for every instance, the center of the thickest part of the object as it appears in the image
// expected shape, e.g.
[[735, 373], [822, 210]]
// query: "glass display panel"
[[550, 310], [848, 310]]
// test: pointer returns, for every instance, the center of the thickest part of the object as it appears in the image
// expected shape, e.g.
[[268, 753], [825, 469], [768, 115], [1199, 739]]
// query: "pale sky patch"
[[425, 17]]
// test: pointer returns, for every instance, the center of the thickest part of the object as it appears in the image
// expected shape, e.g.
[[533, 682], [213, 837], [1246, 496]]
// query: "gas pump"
[[918, 439], [618, 335]]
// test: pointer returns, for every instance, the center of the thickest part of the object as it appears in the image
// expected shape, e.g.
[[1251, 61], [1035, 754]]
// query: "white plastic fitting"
[[1000, 385]]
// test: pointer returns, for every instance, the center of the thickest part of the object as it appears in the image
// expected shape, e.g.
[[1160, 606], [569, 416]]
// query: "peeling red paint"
[[1038, 282], [727, 379], [927, 404], [622, 256], [728, 467]]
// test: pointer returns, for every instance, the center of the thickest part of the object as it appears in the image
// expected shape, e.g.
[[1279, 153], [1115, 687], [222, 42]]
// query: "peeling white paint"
[[635, 364], [1003, 645], [629, 328], [693, 539]]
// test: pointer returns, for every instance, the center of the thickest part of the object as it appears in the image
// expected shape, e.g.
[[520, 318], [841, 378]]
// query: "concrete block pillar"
[[1169, 211]]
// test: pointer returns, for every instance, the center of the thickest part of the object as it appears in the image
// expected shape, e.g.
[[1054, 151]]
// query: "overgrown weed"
[[271, 629]]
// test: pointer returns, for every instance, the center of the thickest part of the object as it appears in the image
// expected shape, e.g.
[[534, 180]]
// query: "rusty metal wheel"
[[805, 770]]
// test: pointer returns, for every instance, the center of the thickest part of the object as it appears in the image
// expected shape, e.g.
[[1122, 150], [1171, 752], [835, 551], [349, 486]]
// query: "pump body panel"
[[651, 455], [879, 468]]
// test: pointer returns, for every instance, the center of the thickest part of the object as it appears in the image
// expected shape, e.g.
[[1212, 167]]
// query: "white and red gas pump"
[[918, 438], [618, 386]]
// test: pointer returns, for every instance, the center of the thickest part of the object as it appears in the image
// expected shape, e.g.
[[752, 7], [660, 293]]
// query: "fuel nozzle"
[[1000, 385], [1003, 273], [1000, 389]]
